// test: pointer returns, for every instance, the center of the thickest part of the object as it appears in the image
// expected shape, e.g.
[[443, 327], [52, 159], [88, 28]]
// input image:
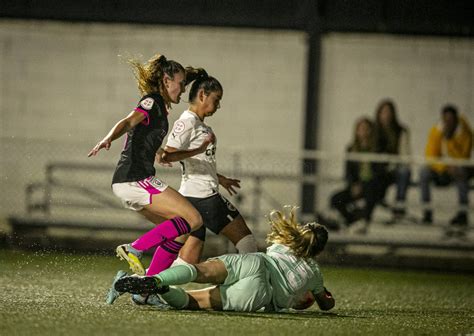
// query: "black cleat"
[[140, 285]]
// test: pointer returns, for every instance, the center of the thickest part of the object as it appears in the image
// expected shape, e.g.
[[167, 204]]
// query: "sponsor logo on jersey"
[[147, 103]]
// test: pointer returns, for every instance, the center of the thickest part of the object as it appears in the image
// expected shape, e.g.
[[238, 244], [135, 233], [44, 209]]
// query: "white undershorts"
[[135, 195]]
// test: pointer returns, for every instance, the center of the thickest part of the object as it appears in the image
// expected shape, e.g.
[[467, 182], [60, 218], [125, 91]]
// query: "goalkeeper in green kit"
[[286, 276]]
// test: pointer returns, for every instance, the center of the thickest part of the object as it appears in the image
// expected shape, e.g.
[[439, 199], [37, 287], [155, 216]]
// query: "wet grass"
[[61, 294]]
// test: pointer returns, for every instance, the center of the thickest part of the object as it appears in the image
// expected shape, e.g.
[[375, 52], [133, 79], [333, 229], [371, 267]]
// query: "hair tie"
[[311, 226], [162, 60], [202, 73]]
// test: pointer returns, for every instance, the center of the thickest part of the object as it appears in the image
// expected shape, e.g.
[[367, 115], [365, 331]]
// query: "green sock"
[[178, 275], [176, 297]]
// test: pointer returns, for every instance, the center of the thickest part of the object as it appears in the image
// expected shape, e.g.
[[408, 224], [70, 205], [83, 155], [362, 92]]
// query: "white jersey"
[[199, 173]]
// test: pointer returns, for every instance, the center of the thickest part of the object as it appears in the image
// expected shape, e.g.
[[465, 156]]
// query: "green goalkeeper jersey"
[[291, 277]]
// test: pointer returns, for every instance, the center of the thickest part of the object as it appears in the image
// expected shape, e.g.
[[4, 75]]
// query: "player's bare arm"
[[120, 128], [171, 154], [159, 158]]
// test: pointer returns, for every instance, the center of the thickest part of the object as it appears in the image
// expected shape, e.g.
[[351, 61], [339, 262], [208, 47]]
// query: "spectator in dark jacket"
[[364, 180], [393, 138]]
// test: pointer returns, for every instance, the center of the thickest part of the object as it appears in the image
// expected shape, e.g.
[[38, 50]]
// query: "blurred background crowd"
[[366, 180]]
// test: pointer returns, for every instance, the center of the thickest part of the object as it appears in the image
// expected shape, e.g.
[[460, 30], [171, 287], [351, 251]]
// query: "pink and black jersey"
[[142, 142]]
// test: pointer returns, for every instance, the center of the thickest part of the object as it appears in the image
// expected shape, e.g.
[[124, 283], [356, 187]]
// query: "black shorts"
[[216, 212]]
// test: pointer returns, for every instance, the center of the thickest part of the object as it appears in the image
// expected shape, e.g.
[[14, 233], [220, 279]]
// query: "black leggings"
[[372, 192]]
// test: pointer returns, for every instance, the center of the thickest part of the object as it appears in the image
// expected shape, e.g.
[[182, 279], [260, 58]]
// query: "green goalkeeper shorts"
[[247, 286]]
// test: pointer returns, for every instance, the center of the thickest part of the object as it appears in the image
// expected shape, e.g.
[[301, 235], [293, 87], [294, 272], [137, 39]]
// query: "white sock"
[[178, 261], [248, 244]]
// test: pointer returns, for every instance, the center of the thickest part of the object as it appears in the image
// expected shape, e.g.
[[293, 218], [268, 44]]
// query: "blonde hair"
[[150, 75], [306, 241]]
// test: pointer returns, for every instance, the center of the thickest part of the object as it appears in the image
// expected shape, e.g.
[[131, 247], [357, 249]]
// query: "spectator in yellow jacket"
[[450, 138]]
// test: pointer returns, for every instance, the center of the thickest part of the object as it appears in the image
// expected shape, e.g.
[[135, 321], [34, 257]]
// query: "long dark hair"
[[395, 127], [201, 80], [356, 145]]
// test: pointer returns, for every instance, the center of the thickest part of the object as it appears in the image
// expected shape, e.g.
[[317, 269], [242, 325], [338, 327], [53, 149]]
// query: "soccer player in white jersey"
[[276, 280], [200, 180]]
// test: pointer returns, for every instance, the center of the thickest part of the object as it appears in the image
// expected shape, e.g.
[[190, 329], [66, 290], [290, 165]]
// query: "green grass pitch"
[[62, 294]]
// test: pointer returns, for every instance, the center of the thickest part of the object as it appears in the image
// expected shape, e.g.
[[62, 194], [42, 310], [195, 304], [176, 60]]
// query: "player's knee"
[[211, 271], [194, 220], [203, 272]]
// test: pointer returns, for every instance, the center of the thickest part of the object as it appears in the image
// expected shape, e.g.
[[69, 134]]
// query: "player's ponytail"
[[201, 80], [150, 75], [306, 241], [194, 73]]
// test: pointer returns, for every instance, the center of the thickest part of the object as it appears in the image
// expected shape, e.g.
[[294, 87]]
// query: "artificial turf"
[[49, 293]]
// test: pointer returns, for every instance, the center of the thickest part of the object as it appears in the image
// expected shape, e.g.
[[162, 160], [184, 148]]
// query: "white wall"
[[63, 87], [67, 81]]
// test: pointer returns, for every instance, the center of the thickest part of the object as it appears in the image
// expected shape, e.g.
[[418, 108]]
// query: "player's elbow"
[[169, 154], [165, 156]]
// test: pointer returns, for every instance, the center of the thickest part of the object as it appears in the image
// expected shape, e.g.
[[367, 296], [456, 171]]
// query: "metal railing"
[[60, 179], [40, 198]]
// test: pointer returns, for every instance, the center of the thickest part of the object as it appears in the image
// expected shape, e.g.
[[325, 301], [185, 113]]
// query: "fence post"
[[308, 187]]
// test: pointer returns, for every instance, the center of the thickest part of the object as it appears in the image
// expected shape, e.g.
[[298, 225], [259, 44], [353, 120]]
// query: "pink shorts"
[[135, 195]]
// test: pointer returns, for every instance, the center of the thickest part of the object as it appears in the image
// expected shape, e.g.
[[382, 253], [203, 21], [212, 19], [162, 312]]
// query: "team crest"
[[179, 127], [155, 182], [147, 103]]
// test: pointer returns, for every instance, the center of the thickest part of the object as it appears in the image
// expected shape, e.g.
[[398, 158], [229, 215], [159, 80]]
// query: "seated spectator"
[[393, 138], [364, 180], [450, 138]]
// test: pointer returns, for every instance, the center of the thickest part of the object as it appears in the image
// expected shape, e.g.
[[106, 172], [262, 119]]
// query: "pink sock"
[[164, 257], [168, 230]]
